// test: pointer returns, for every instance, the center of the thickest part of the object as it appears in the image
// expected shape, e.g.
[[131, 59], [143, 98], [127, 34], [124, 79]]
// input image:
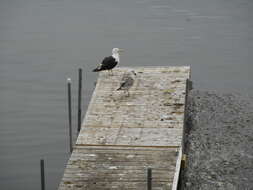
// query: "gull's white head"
[[115, 53], [116, 50]]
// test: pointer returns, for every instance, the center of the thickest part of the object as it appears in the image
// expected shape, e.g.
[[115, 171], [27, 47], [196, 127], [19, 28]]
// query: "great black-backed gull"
[[110, 62]]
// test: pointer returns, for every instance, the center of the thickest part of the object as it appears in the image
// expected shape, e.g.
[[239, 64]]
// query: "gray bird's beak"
[[121, 50], [134, 73]]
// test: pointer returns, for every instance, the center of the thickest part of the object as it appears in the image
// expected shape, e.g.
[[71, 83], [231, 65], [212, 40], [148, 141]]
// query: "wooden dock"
[[122, 136]]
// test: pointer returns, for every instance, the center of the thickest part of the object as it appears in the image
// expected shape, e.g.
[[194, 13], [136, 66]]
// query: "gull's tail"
[[95, 70], [99, 68]]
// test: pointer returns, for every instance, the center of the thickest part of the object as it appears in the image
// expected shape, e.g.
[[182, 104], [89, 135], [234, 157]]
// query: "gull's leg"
[[128, 94]]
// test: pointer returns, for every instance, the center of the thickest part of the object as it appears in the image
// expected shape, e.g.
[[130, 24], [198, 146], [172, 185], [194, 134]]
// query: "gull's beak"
[[121, 50]]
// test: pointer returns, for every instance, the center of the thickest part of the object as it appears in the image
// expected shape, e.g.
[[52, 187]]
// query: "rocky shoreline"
[[219, 142]]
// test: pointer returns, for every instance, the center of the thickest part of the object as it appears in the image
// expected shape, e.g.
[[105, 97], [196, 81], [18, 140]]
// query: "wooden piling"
[[79, 111], [149, 179], [42, 174], [70, 114]]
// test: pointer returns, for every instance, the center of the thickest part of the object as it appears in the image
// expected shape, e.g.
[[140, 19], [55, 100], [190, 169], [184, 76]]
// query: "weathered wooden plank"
[[131, 136], [114, 185], [132, 149], [128, 176], [115, 155]]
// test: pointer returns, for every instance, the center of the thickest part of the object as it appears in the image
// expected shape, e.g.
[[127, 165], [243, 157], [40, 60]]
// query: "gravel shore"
[[219, 142]]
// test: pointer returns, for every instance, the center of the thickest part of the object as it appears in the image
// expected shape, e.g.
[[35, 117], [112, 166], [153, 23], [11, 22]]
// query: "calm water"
[[42, 42]]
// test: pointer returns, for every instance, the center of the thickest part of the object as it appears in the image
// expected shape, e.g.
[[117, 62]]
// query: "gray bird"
[[127, 82]]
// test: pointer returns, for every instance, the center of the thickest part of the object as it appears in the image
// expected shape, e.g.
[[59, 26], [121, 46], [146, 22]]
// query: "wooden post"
[[70, 115], [42, 174], [149, 179], [183, 161], [79, 100]]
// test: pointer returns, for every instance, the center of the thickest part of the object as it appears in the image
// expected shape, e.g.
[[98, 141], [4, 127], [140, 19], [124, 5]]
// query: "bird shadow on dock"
[[122, 96]]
